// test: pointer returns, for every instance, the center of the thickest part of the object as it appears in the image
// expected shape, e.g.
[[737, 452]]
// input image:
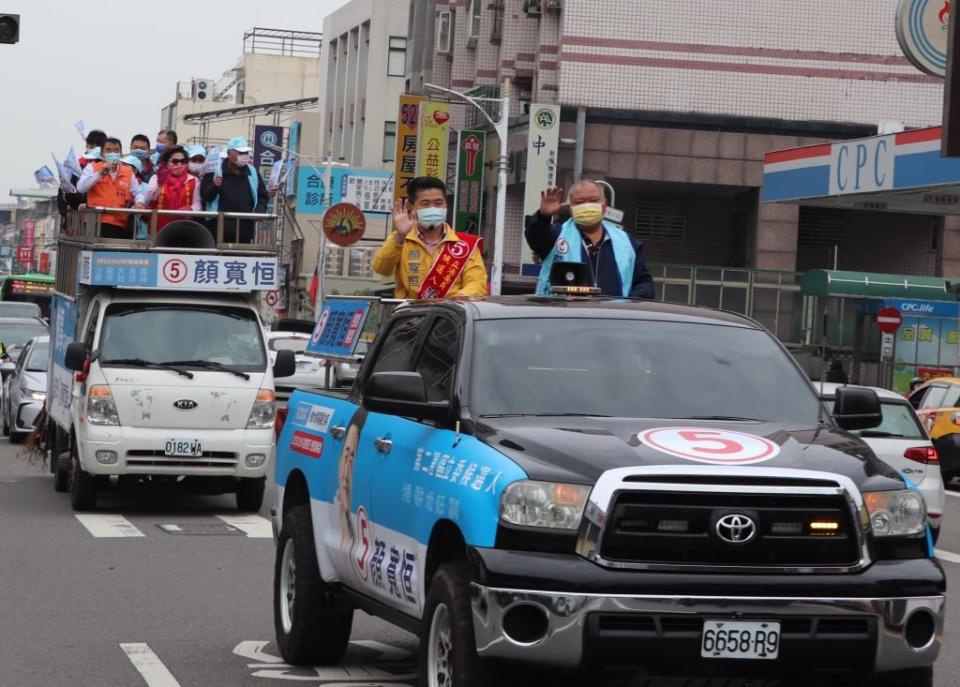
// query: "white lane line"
[[149, 665], [105, 525], [954, 494], [947, 556], [255, 526]]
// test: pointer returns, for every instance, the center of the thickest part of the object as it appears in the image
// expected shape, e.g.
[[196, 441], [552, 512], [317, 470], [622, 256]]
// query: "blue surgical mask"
[[159, 147], [112, 157], [432, 217], [140, 154]]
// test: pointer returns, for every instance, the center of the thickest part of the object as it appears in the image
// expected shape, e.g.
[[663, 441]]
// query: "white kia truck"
[[160, 376]]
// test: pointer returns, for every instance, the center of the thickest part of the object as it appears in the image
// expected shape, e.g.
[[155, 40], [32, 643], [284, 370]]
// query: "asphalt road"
[[126, 599]]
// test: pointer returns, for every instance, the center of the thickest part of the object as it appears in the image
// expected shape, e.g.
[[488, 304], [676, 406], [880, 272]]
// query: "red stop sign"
[[888, 320]]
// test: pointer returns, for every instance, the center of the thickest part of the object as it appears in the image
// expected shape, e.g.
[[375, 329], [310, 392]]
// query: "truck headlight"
[[101, 410], [896, 513], [264, 411], [544, 504]]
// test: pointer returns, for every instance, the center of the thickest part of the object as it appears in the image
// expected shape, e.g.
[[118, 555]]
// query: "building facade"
[[682, 100]]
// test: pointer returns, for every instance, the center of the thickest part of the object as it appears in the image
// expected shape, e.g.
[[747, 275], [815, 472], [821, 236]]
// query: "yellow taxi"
[[937, 403]]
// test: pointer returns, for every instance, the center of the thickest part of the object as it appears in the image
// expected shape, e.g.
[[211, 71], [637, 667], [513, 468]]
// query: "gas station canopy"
[[866, 285], [901, 172]]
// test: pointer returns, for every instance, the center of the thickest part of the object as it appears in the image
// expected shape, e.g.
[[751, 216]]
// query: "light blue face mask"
[[432, 217], [140, 154], [112, 157]]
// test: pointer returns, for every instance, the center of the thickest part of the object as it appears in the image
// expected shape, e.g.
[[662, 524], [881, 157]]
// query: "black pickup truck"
[[585, 486]]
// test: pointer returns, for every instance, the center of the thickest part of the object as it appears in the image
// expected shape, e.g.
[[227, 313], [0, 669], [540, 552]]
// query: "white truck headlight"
[[544, 504], [101, 410], [263, 414], [900, 513]]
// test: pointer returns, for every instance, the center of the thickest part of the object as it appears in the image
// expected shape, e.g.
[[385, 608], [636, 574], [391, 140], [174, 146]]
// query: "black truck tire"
[[61, 472], [448, 647], [312, 625], [917, 677], [250, 494], [83, 485]]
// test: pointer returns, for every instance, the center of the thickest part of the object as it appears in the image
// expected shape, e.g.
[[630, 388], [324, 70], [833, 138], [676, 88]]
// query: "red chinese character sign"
[[25, 255], [344, 224]]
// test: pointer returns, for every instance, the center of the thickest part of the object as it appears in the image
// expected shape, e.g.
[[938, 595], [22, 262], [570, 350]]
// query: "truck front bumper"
[[553, 626]]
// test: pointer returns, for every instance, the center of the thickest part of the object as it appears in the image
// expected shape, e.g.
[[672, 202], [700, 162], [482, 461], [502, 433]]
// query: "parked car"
[[938, 404], [19, 309], [25, 390], [902, 443], [311, 370]]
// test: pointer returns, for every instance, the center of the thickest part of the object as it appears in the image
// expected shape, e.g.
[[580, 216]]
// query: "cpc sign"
[[862, 166]]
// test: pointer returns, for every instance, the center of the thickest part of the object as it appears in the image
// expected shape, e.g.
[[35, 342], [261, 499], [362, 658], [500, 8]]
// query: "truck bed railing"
[[86, 226]]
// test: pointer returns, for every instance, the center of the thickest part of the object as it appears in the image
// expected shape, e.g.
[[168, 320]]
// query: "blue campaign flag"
[[45, 177], [339, 328]]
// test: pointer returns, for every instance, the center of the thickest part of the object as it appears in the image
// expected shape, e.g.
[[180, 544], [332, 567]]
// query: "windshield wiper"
[[210, 365], [140, 362], [503, 415], [880, 434], [726, 418]]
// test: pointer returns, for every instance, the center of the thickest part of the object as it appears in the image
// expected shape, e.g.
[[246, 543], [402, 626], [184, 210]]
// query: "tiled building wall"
[[814, 60]]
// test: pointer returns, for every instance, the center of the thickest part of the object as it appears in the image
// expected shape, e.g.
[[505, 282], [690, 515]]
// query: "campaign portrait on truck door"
[[345, 469]]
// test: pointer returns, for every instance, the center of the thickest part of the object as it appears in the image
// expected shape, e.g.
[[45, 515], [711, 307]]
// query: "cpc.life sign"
[[712, 446], [862, 166]]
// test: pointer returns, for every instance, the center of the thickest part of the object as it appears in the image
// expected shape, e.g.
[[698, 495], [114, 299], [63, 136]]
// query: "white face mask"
[[243, 158], [195, 167]]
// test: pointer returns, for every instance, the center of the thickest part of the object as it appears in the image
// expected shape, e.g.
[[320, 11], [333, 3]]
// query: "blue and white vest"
[[569, 248]]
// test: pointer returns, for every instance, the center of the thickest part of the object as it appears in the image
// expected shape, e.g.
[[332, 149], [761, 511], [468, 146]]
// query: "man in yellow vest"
[[424, 254], [109, 184]]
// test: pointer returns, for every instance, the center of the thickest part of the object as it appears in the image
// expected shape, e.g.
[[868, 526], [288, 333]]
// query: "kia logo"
[[736, 528], [184, 404]]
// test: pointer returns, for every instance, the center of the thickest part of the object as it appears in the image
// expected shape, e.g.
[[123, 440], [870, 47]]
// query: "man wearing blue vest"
[[615, 260], [235, 186]]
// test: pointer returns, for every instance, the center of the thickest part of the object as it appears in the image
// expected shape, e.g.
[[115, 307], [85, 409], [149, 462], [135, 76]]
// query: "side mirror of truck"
[[76, 356], [285, 365], [857, 408], [6, 367], [403, 394]]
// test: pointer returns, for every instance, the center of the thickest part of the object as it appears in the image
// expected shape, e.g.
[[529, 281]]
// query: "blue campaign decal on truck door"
[[63, 330]]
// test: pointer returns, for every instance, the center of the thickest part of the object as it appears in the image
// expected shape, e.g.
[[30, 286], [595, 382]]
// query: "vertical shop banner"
[[543, 145], [28, 236], [468, 194], [264, 155], [408, 130], [434, 140]]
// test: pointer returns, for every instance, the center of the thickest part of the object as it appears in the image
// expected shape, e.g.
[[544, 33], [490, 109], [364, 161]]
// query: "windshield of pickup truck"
[[164, 333], [637, 368]]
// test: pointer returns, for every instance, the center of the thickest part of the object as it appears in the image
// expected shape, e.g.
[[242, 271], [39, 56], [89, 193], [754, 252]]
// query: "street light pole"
[[502, 127]]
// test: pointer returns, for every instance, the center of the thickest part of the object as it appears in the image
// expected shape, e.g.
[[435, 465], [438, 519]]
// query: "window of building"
[[397, 57], [333, 261], [661, 220], [361, 261], [389, 141], [496, 33], [476, 13], [820, 227], [444, 40]]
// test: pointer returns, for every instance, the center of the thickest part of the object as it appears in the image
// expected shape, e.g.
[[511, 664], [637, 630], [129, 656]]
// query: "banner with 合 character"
[[339, 328], [63, 329]]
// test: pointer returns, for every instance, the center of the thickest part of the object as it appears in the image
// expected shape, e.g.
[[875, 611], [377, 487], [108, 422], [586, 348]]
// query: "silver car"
[[25, 390]]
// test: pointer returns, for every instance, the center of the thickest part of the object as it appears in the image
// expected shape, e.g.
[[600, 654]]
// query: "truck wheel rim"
[[440, 650], [287, 582]]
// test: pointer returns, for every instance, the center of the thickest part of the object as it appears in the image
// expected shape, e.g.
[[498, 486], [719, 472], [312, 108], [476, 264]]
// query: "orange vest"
[[110, 192]]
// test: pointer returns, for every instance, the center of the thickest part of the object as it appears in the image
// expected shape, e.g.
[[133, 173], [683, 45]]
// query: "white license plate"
[[739, 639], [183, 447]]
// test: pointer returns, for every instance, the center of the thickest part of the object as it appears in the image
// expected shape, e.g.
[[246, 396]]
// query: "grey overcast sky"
[[114, 64]]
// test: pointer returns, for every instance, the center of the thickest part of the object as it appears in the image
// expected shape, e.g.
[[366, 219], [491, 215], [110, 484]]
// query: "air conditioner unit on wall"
[[202, 89]]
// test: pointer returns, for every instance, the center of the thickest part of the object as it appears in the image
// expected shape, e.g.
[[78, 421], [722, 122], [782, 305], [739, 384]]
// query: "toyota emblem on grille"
[[736, 528], [184, 404]]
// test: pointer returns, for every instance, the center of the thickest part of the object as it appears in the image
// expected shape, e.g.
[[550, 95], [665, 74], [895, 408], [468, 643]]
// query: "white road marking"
[[149, 665], [954, 494], [255, 526], [947, 556], [107, 526]]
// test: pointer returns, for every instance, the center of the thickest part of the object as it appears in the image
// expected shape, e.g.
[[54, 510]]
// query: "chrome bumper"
[[563, 644]]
